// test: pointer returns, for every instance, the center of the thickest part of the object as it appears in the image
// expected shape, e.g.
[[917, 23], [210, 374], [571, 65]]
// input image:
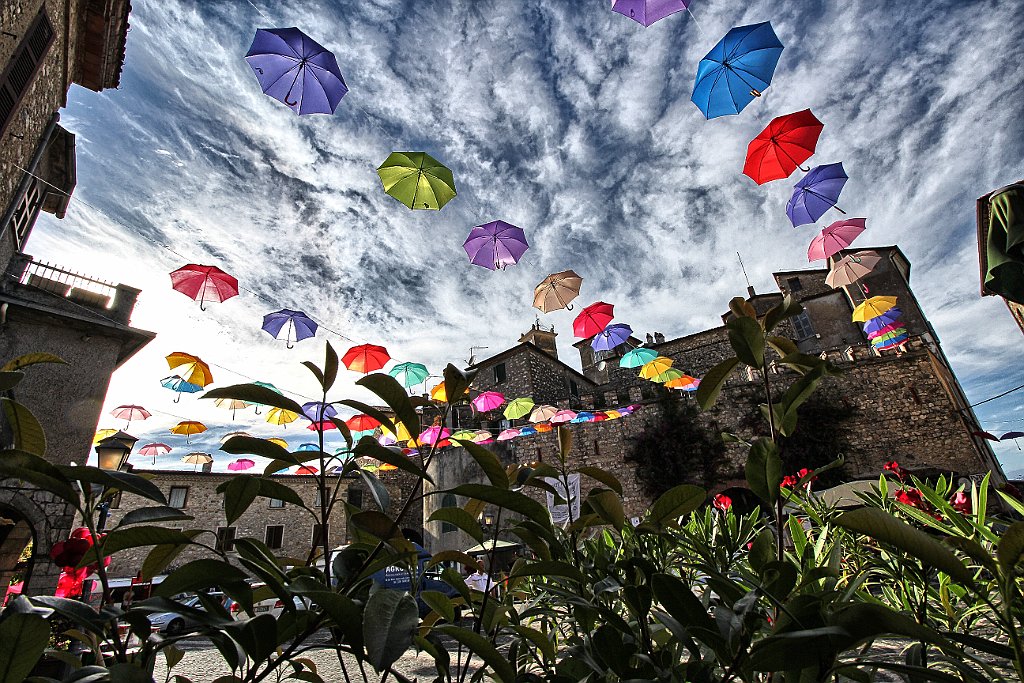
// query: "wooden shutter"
[[24, 64]]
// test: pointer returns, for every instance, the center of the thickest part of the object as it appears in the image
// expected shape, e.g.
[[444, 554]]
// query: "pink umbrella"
[[835, 238], [508, 434], [130, 412], [432, 435], [241, 464], [562, 416], [489, 400], [155, 449]]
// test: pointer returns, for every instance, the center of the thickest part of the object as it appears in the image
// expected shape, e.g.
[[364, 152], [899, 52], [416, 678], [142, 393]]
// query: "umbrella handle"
[[178, 398], [288, 344], [805, 170], [257, 409], [202, 305], [569, 307], [838, 209], [755, 92]]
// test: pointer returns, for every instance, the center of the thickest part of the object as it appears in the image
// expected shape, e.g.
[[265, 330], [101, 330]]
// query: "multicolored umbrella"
[[562, 416], [409, 374], [543, 413], [647, 12], [556, 291], [488, 400], [177, 384], [835, 238], [204, 283], [872, 308], [296, 325], [655, 367], [851, 268], [316, 411], [130, 412], [362, 423], [231, 404], [387, 439], [188, 428], [495, 245], [366, 358], [611, 337], [191, 368], [417, 179], [155, 449], [593, 319], [816, 193], [281, 417], [892, 328], [736, 70], [296, 70], [684, 383], [637, 358], [198, 459], [518, 408], [241, 464], [782, 146], [880, 321]]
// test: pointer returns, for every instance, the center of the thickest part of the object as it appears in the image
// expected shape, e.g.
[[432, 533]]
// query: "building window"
[[317, 538], [574, 389], [318, 499], [276, 503], [355, 497], [22, 67], [802, 325], [499, 373], [448, 500], [275, 536], [178, 497], [794, 284], [24, 216], [225, 538]]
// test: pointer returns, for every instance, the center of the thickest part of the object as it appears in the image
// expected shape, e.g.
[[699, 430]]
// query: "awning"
[[487, 545]]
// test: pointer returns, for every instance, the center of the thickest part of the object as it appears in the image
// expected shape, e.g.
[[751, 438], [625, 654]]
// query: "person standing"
[[480, 580]]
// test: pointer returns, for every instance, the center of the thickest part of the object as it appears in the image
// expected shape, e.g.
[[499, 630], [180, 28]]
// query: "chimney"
[[207, 467], [750, 292]]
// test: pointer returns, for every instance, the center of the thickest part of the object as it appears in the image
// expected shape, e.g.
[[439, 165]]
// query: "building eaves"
[[526, 347]]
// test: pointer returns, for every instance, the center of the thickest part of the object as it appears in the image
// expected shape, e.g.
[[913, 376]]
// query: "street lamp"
[[112, 455]]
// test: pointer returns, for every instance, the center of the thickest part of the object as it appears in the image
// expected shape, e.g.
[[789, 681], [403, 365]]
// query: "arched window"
[[448, 501]]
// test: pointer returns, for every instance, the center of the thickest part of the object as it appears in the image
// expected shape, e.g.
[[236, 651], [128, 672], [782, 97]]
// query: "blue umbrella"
[[289, 321], [293, 68], [611, 336], [816, 193], [582, 416], [308, 447], [736, 70], [884, 320], [637, 358], [316, 412], [176, 383]]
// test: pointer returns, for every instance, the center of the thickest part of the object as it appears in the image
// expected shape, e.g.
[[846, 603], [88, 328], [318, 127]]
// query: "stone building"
[[46, 47], [984, 212]]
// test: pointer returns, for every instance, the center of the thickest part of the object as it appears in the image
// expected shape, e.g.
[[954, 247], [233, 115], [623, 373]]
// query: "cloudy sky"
[[561, 117]]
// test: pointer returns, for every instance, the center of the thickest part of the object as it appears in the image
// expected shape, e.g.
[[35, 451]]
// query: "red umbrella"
[[780, 148], [204, 283], [321, 426], [361, 423], [306, 469], [592, 319], [365, 358]]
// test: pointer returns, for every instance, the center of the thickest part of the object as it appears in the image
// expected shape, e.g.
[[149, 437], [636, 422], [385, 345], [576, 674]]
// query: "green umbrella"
[[518, 408], [417, 179], [266, 385], [409, 374]]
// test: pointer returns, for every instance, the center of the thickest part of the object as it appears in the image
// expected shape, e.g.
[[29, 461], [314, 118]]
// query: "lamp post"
[[112, 455]]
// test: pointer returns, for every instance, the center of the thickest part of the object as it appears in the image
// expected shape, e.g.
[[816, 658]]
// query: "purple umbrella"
[[316, 412], [289, 320], [816, 193], [647, 12], [887, 318], [293, 68], [495, 245], [611, 336]]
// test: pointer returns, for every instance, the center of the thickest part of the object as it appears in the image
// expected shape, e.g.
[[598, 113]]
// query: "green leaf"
[[680, 602], [377, 524], [122, 481], [15, 464], [764, 469], [440, 603], [795, 650], [488, 462], [23, 637], [343, 612], [782, 346], [564, 435], [254, 393], [199, 574], [368, 446], [28, 433], [864, 621], [389, 390], [274, 489], [500, 667], [787, 309], [543, 643], [547, 568], [741, 308], [801, 390], [156, 513], [161, 556], [317, 372], [603, 476], [239, 493], [713, 381], [346, 433], [747, 339], [608, 506], [459, 518], [456, 556], [882, 526], [510, 500], [250, 445], [9, 380], [1011, 547], [330, 367], [802, 362], [456, 382], [762, 551], [389, 623], [378, 491], [677, 502], [31, 359], [140, 536]]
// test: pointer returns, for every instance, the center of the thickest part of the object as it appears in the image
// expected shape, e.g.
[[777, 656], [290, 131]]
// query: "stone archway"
[[37, 516]]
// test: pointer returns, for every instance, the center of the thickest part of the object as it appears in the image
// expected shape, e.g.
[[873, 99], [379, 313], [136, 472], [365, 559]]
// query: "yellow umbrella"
[[188, 428], [190, 368], [556, 291], [281, 417], [872, 308], [543, 413], [655, 367], [439, 393], [613, 414], [103, 433], [518, 408], [280, 442]]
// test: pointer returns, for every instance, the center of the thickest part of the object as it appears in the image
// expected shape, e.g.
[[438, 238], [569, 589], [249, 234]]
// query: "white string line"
[[696, 23]]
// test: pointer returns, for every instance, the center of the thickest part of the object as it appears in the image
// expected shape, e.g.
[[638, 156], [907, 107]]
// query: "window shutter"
[[24, 65]]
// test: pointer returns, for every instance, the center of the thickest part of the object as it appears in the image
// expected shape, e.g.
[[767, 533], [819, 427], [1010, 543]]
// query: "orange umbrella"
[[193, 369], [365, 358], [188, 428], [439, 393]]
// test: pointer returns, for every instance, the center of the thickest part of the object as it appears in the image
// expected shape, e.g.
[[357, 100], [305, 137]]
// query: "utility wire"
[[992, 398]]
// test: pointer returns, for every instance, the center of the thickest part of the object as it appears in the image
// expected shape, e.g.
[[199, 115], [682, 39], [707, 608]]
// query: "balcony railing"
[[75, 287]]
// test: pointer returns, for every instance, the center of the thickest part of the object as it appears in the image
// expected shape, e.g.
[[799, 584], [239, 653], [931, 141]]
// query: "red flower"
[[722, 502], [788, 482], [911, 497], [68, 554], [961, 503], [894, 467]]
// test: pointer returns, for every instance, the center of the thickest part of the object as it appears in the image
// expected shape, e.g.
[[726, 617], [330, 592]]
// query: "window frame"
[[802, 324], [279, 530], [226, 538], [500, 369], [184, 500], [28, 45], [272, 506], [449, 500], [354, 493], [315, 536]]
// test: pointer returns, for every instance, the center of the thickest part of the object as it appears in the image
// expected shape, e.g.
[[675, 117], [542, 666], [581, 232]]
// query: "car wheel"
[[176, 627]]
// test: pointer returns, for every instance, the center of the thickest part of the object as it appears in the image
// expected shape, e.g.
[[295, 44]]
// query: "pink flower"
[[961, 503], [722, 502]]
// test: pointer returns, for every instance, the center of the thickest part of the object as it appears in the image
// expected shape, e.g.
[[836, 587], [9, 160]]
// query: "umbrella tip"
[[755, 92]]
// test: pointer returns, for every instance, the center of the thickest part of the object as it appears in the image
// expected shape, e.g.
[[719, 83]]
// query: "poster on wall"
[[560, 511]]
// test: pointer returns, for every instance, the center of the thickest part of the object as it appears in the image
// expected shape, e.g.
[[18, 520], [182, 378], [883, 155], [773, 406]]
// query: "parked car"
[[273, 606], [173, 624]]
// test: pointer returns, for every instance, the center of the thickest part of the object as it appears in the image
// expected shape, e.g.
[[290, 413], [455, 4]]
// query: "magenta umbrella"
[[432, 435], [835, 238], [241, 464], [562, 416], [495, 245], [489, 400], [508, 434]]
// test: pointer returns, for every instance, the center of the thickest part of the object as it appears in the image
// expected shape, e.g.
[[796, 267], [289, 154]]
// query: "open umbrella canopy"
[[872, 308], [103, 434], [835, 238], [306, 469], [851, 268], [495, 245], [197, 458], [155, 449], [361, 423], [130, 412], [883, 320], [463, 434], [177, 384], [204, 283], [294, 69], [432, 435], [280, 416], [684, 383], [646, 12], [417, 179], [280, 442], [296, 325], [736, 70], [241, 464], [782, 146], [517, 408], [440, 393], [316, 411], [896, 327], [366, 358], [543, 413], [190, 368], [611, 337], [488, 400], [231, 404], [816, 193], [637, 358], [527, 430], [556, 291], [563, 416], [507, 434], [593, 319], [668, 375], [482, 436], [655, 367], [582, 416], [188, 428], [409, 374]]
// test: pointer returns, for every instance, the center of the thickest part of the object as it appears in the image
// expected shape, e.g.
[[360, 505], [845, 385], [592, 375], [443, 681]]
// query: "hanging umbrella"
[[782, 146], [582, 416], [527, 430], [667, 376], [463, 434], [130, 412], [835, 238], [307, 447], [204, 283], [738, 69], [281, 417], [1014, 436], [409, 374], [891, 343], [188, 428], [322, 426], [365, 358], [851, 268], [230, 404], [387, 439], [103, 434], [611, 337], [592, 319], [612, 414], [872, 308], [543, 427], [230, 435], [191, 368], [495, 245], [361, 423], [315, 411], [155, 449], [265, 385], [637, 358], [646, 12], [241, 464], [294, 69], [563, 416], [816, 193], [488, 400], [685, 383], [197, 459], [655, 367], [280, 442], [417, 179], [599, 416], [432, 435], [518, 408], [482, 436], [556, 291], [177, 384], [880, 321], [296, 325], [894, 328], [542, 413], [306, 469]]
